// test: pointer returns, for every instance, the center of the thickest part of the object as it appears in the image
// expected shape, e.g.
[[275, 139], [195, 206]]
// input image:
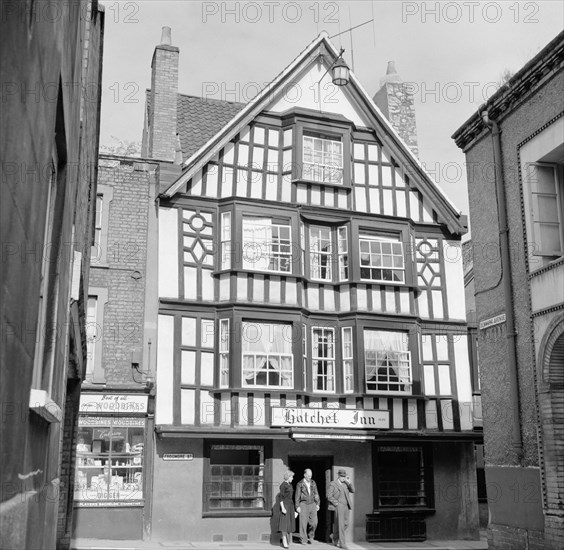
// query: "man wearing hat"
[[338, 495]]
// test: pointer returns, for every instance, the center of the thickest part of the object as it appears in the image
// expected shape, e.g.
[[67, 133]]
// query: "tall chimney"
[[160, 136], [395, 100]]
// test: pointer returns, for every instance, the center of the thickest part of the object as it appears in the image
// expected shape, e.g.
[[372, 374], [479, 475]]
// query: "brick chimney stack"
[[395, 100], [160, 140]]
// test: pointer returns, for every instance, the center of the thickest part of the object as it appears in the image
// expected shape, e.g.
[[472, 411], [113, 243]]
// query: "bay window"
[[381, 259], [267, 355], [267, 245], [387, 361]]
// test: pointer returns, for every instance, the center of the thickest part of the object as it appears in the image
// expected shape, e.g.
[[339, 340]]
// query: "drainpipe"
[[511, 335]]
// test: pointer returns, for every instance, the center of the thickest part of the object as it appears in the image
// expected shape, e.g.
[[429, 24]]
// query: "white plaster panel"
[[315, 195], [330, 98], [463, 381], [454, 279], [397, 405], [360, 198], [165, 370], [207, 285], [412, 414], [376, 300], [187, 406], [345, 298], [301, 194], [258, 288], [388, 202], [447, 414], [313, 298], [207, 407], [211, 180], [286, 191], [274, 290], [328, 299], [225, 416], [242, 288], [224, 287], [431, 418], [168, 252], [405, 306], [390, 300], [259, 411], [291, 296], [361, 298]]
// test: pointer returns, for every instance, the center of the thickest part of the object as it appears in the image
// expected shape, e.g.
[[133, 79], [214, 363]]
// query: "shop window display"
[[109, 460]]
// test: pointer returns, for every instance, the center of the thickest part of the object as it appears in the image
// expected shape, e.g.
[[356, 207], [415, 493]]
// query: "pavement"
[[96, 544]]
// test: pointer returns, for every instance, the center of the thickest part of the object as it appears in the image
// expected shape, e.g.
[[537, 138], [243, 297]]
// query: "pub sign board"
[[291, 417]]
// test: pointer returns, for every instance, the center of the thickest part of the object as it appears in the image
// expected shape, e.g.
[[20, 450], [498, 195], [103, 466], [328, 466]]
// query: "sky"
[[453, 53]]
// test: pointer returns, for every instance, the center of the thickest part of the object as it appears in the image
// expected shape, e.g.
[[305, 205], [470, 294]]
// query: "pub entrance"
[[321, 467]]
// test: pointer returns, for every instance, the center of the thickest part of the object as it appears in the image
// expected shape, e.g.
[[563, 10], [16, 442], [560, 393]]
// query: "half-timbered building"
[[310, 313]]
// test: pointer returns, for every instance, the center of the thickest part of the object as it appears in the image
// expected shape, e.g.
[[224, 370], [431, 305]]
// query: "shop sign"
[[106, 503], [289, 417], [91, 421], [492, 321], [177, 456], [96, 403]]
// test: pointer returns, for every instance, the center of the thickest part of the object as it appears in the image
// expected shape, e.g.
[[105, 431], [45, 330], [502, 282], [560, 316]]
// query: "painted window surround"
[[99, 251], [399, 231], [313, 123], [299, 323]]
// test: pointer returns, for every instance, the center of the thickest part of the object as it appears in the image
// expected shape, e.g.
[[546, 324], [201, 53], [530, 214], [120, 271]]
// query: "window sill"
[[44, 406], [238, 514], [547, 267], [393, 510], [346, 186]]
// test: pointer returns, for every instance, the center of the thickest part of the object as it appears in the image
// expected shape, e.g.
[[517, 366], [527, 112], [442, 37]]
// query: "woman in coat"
[[287, 522]]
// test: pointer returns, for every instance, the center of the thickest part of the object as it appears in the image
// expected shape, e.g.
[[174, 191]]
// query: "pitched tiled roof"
[[199, 119]]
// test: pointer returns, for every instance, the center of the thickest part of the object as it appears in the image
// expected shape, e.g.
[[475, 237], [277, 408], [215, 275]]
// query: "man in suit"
[[338, 495], [307, 505]]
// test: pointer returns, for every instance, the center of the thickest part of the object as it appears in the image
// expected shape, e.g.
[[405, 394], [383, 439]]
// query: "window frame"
[[322, 167], [266, 477], [290, 355], [306, 121], [411, 357], [289, 256], [97, 374], [128, 462], [535, 222], [370, 238], [331, 360], [387, 229], [339, 259], [425, 468], [99, 251]]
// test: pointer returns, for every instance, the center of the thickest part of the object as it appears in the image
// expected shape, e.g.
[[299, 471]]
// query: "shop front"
[[221, 485], [110, 487]]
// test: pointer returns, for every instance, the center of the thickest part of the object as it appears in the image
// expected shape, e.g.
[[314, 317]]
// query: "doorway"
[[321, 468]]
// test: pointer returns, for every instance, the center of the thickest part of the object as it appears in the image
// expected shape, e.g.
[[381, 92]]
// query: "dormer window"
[[323, 159]]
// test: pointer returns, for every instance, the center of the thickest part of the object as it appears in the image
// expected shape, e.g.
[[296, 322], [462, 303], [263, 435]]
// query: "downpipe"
[[511, 335]]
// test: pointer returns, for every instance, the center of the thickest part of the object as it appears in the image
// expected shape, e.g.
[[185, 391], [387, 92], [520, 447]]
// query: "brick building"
[[514, 149], [50, 69], [116, 399]]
